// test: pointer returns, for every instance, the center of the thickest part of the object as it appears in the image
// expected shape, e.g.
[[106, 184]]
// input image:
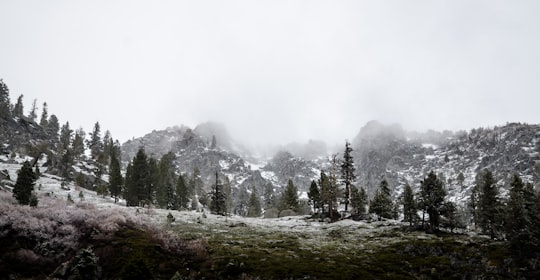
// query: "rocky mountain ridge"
[[380, 151]]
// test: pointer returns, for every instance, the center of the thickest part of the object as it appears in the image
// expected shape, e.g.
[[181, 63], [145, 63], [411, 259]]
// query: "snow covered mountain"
[[195, 149], [380, 151], [387, 151]]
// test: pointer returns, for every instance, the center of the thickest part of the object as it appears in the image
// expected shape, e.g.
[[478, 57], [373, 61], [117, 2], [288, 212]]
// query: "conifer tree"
[[490, 218], [166, 183], [314, 196], [359, 201], [137, 179], [151, 181], [269, 196], [432, 195], [254, 206], [77, 146], [115, 177], [18, 109], [5, 109], [409, 206], [33, 111], [289, 198], [53, 126], [382, 205], [522, 221], [347, 173], [44, 116], [24, 186], [227, 189], [217, 204], [242, 202], [94, 143], [196, 185], [182, 194]]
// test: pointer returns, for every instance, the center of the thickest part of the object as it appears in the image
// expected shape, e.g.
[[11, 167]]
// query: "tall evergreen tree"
[[137, 179], [490, 218], [152, 181], [382, 205], [44, 116], [166, 182], [347, 173], [115, 177], [196, 185], [64, 151], [5, 105], [522, 221], [94, 143], [254, 206], [227, 189], [314, 196], [78, 144], [24, 186], [289, 198], [33, 111], [359, 201], [217, 204], [18, 109], [269, 196], [242, 203], [432, 195], [409, 206], [53, 126], [182, 194]]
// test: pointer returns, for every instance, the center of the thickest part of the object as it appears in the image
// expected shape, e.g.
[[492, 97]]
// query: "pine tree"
[[5, 109], [33, 112], [137, 179], [166, 183], [44, 116], [254, 206], [151, 181], [53, 126], [522, 221], [196, 185], [347, 173], [314, 196], [77, 146], [382, 205], [269, 196], [432, 195], [64, 152], [358, 201], [182, 194], [217, 204], [24, 186], [289, 198], [409, 206], [18, 109], [115, 177], [227, 189], [95, 144], [242, 202], [490, 218]]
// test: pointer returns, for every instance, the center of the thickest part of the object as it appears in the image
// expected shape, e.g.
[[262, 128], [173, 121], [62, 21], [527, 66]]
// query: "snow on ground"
[[50, 189]]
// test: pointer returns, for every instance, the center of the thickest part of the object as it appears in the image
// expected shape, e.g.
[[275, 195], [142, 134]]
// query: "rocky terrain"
[[380, 151]]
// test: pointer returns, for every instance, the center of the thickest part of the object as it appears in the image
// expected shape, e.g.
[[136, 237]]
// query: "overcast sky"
[[275, 71]]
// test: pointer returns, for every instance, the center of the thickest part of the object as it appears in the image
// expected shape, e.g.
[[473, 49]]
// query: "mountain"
[[193, 149], [387, 151]]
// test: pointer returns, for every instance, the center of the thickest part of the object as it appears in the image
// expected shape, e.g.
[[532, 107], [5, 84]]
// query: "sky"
[[274, 71]]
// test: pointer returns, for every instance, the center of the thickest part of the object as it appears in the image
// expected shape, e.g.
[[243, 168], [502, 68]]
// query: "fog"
[[275, 71]]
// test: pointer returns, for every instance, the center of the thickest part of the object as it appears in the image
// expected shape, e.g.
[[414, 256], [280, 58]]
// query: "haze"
[[275, 71]]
